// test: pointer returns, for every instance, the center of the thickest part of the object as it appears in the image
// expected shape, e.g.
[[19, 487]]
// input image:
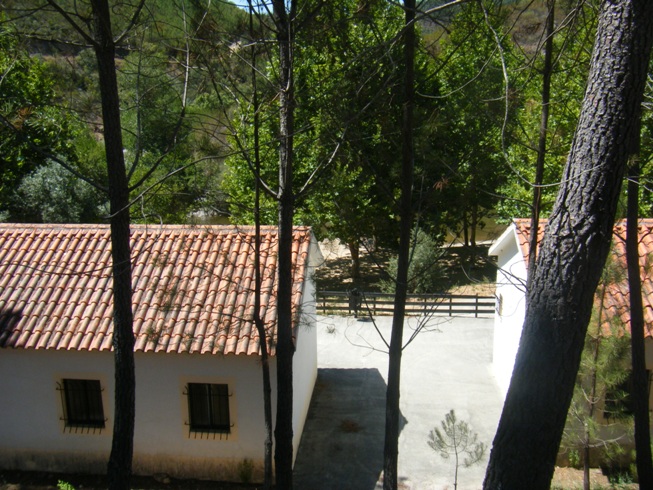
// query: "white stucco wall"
[[304, 374], [511, 307], [31, 428], [163, 442], [32, 433], [304, 363]]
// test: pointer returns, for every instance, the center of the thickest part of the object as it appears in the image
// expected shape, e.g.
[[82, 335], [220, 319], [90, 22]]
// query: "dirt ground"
[[572, 479], [27, 480], [463, 274], [563, 479]]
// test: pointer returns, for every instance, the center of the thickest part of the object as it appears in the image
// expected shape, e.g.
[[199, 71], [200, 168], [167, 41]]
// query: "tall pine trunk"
[[573, 252], [258, 320], [354, 250], [120, 461], [639, 393], [265, 359], [283, 432], [592, 399], [392, 411], [547, 71]]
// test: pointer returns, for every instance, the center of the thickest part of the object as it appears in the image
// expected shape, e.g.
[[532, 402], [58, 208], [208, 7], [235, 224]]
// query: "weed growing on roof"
[[153, 334]]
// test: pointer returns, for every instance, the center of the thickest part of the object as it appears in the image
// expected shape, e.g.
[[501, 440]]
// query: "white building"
[[510, 294], [199, 409], [511, 250]]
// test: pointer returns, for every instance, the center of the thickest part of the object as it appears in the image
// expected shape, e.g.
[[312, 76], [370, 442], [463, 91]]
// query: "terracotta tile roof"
[[616, 301], [192, 287]]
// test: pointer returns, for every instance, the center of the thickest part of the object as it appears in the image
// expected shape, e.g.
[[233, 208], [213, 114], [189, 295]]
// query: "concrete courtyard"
[[447, 366]]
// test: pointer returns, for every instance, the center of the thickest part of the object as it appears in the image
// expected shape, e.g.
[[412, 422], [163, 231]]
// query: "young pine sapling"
[[457, 439]]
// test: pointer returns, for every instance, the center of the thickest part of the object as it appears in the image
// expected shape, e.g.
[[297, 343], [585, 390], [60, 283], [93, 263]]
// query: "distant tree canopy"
[[347, 130], [347, 146], [32, 126], [474, 154], [571, 56], [50, 106], [476, 121]]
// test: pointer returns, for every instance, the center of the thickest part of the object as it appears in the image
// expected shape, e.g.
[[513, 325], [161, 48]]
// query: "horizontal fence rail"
[[360, 303]]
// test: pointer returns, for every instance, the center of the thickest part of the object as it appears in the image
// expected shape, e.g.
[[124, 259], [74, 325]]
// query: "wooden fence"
[[359, 303]]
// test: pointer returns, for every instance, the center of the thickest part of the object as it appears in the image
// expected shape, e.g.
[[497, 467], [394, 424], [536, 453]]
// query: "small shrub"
[[621, 478], [425, 273], [574, 458], [245, 470], [64, 485], [457, 439]]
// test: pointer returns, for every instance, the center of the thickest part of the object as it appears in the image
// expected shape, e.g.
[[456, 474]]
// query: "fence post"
[[476, 309]]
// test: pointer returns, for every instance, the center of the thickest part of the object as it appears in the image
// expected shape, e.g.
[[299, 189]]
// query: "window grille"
[[82, 405], [208, 410]]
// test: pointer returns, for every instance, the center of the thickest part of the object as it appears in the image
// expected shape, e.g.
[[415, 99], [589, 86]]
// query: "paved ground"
[[446, 367]]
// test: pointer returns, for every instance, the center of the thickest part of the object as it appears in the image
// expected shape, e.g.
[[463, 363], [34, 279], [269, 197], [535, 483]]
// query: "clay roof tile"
[[192, 287]]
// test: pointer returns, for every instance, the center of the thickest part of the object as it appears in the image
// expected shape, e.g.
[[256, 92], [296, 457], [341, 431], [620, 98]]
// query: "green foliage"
[[156, 139], [151, 94], [646, 149], [425, 273], [245, 470], [455, 438], [622, 479], [52, 194], [600, 398], [63, 485], [31, 127], [348, 71], [571, 55], [348, 67], [574, 458], [159, 146], [475, 119]]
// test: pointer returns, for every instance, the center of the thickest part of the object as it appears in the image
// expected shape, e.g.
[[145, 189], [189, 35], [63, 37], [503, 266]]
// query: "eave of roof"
[[193, 287]]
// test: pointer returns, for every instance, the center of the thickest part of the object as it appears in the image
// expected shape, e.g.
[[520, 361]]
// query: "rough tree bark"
[[574, 249], [354, 250], [392, 411], [639, 393], [283, 431], [120, 461]]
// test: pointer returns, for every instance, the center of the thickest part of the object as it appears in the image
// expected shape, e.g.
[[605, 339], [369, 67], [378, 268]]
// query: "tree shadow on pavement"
[[342, 443]]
